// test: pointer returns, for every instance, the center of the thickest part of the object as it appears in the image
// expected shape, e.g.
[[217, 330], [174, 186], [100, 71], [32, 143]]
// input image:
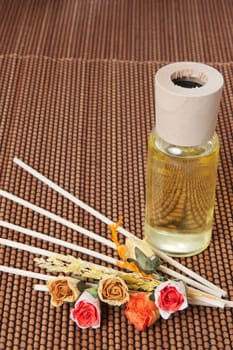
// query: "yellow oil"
[[180, 196]]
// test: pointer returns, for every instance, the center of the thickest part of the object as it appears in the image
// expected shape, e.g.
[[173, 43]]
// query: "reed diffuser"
[[182, 159]]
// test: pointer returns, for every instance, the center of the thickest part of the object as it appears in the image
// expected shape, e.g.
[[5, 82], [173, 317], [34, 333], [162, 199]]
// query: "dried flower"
[[141, 311], [113, 290], [63, 289], [83, 270], [132, 243], [170, 297], [86, 312]]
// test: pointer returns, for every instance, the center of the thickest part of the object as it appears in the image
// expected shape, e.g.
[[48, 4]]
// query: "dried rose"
[[113, 290], [87, 311], [63, 289], [132, 243], [141, 311], [170, 297]]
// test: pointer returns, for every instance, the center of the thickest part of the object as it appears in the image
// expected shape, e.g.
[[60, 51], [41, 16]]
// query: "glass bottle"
[[182, 159]]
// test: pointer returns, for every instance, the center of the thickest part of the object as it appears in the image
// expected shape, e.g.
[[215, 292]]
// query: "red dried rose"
[[87, 311], [170, 297]]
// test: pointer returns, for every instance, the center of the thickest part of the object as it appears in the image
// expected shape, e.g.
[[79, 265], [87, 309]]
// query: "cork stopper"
[[187, 102]]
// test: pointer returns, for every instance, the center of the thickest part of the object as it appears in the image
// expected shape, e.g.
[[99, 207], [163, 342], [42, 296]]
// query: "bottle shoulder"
[[209, 147]]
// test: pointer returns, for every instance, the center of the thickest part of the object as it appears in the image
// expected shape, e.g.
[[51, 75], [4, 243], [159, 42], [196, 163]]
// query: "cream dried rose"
[[132, 243], [113, 290], [63, 289]]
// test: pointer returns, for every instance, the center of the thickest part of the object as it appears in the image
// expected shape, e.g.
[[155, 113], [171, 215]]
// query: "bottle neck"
[[185, 151]]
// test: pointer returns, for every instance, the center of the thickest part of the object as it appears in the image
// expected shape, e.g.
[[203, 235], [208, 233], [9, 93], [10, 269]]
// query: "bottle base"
[[178, 244]]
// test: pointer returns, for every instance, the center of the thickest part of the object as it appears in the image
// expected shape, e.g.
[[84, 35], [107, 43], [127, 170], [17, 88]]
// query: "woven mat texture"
[[84, 124], [82, 118], [160, 30]]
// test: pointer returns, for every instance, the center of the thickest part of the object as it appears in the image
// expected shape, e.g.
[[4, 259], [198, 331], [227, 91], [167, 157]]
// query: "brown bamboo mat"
[[84, 124], [77, 104], [159, 30]]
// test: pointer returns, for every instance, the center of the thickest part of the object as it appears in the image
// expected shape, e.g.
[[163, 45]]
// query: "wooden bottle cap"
[[187, 99]]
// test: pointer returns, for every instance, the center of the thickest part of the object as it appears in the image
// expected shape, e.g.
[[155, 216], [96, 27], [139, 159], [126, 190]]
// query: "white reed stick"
[[204, 300], [44, 288], [24, 273], [199, 297], [109, 222], [189, 272], [59, 242], [228, 303], [68, 195], [209, 300], [195, 293], [39, 251], [189, 281], [41, 288], [57, 218], [191, 300], [94, 254], [28, 248]]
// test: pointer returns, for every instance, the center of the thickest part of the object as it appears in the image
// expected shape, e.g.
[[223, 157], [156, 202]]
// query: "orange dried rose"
[[113, 291], [141, 311], [63, 289]]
